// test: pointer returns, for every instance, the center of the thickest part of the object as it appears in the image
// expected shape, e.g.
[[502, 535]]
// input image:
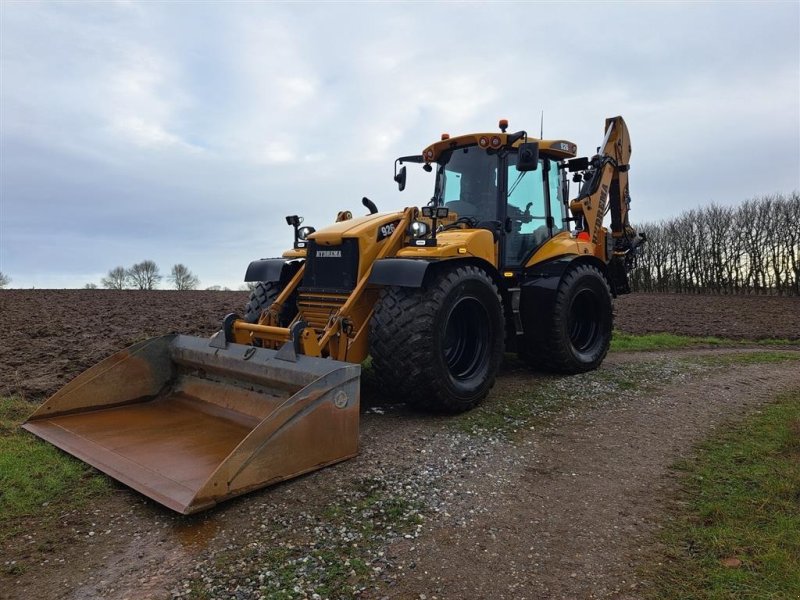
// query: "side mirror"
[[528, 159], [400, 178]]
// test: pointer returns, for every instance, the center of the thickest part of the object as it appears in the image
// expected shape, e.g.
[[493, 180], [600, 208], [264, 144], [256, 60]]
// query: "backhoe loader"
[[498, 260]]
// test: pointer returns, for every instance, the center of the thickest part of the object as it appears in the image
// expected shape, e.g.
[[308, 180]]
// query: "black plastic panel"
[[331, 268]]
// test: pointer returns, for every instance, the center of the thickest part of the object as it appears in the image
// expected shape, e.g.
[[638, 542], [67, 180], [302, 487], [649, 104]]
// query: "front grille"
[[316, 309], [332, 269]]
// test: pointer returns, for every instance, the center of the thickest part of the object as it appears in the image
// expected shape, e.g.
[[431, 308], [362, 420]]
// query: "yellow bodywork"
[[457, 243], [337, 324]]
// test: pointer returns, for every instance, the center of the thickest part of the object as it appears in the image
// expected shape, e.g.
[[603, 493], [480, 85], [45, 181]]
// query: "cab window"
[[526, 211], [467, 183], [557, 208]]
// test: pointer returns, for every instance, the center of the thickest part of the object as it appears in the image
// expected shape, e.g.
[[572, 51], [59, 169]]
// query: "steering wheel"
[[521, 216], [470, 222]]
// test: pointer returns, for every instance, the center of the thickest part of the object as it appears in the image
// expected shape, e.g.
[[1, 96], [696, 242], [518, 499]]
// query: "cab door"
[[533, 210]]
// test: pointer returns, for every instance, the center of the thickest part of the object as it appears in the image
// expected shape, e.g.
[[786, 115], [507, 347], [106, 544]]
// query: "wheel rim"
[[466, 338], [583, 321]]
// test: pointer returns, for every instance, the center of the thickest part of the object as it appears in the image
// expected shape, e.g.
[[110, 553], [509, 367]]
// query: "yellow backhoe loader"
[[499, 259]]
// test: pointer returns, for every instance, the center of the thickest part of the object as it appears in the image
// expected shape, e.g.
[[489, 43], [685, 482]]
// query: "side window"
[[452, 186], [526, 199], [526, 210], [556, 201]]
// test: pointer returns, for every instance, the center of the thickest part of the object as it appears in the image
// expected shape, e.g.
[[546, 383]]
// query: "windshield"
[[466, 183]]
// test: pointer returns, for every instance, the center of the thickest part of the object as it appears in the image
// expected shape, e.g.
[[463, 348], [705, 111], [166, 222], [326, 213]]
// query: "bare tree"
[[90, 286], [144, 275], [750, 249], [182, 278], [4, 280], [117, 279]]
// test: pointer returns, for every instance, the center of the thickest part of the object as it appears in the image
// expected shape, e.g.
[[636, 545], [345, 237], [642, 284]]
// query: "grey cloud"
[[136, 131]]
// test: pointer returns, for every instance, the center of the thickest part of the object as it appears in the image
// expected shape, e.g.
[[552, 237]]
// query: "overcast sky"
[[185, 132]]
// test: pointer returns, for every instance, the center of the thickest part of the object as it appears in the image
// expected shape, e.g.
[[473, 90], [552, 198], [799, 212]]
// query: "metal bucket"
[[190, 425]]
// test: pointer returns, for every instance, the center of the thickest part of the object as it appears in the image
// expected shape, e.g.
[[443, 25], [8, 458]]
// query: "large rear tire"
[[577, 337], [439, 347], [262, 297]]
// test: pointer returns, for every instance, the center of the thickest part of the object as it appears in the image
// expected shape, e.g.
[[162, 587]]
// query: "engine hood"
[[357, 227]]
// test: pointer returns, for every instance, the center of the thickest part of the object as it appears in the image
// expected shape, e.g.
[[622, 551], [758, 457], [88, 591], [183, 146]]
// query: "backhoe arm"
[[605, 189]]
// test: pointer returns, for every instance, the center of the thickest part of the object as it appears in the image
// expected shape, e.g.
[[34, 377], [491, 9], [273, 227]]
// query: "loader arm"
[[344, 337]]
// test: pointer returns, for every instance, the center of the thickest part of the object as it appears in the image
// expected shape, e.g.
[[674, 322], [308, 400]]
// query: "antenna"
[[541, 127]]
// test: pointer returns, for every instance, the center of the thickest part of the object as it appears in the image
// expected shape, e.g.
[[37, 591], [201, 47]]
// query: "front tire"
[[261, 298], [439, 347], [578, 334]]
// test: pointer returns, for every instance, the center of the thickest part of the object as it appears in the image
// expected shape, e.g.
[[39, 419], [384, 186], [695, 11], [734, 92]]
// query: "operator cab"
[[483, 185]]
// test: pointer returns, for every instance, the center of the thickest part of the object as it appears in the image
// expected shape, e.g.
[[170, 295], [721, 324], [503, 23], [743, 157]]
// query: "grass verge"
[[37, 479], [737, 532], [627, 342]]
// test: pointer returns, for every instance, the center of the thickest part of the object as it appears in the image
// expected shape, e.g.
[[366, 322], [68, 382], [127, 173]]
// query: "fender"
[[272, 270], [538, 292], [402, 272]]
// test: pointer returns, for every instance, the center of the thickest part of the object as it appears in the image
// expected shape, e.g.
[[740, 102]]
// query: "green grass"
[[740, 500], [37, 479], [622, 342]]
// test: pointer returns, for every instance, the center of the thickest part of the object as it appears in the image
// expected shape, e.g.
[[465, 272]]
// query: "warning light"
[[503, 125], [445, 136]]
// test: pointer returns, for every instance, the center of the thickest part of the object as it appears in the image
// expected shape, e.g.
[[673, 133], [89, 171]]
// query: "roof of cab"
[[556, 148]]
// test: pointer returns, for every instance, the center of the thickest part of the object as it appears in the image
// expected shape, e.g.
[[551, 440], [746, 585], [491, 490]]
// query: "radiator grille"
[[316, 309], [331, 269]]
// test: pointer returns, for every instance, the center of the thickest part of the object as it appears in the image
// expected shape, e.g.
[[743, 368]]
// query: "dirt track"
[[433, 506]]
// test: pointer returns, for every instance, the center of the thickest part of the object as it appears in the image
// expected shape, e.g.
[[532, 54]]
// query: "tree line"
[[147, 276], [753, 248]]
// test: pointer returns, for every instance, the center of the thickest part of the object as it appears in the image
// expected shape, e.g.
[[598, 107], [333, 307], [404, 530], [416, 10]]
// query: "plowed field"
[[49, 336]]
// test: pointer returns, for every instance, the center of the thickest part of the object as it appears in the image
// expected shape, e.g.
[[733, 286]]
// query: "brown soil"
[[736, 317], [49, 336], [566, 510]]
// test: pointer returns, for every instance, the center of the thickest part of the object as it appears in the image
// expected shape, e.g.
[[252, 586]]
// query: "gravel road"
[[554, 489]]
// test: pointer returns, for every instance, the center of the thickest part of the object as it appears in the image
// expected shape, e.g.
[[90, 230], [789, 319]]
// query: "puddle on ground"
[[196, 534]]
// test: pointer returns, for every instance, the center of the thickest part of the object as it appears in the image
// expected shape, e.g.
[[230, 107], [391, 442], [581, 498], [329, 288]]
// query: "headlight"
[[417, 229], [304, 232]]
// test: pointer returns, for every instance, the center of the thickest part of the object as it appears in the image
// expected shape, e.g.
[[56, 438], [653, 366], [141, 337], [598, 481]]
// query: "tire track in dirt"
[[590, 495]]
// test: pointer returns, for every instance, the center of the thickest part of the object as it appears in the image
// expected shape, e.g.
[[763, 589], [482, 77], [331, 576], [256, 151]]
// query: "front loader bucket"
[[189, 425]]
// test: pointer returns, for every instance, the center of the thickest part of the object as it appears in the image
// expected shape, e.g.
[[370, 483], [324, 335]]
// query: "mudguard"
[[402, 272], [538, 292], [271, 269]]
